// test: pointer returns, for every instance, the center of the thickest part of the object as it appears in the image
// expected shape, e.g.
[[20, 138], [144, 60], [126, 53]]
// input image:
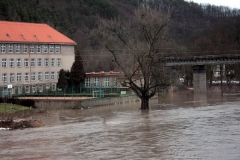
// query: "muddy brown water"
[[180, 127]]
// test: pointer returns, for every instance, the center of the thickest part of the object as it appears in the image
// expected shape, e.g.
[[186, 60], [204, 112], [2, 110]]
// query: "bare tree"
[[138, 48]]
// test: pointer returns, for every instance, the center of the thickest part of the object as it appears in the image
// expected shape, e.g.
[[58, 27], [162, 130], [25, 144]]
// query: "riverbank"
[[20, 124], [45, 105], [11, 108], [22, 119]]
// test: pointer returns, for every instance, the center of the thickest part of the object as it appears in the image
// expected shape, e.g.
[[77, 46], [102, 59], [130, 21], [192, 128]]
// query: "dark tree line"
[[197, 27], [77, 73], [219, 11], [75, 77], [76, 18]]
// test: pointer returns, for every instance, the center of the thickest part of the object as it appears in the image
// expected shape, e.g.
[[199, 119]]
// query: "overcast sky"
[[229, 3]]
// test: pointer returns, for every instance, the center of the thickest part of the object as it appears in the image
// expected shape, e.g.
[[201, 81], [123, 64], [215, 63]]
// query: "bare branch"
[[137, 49]]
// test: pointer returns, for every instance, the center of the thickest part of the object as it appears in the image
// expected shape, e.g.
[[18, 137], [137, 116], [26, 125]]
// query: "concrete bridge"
[[199, 70]]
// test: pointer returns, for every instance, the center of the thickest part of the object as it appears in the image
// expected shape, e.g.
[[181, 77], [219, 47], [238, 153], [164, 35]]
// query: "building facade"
[[31, 57], [102, 83], [217, 71], [102, 79]]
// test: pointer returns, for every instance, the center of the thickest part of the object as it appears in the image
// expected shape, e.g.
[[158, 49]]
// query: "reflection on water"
[[180, 127]]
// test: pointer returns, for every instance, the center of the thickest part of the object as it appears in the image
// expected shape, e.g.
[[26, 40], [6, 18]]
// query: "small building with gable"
[[102, 79]]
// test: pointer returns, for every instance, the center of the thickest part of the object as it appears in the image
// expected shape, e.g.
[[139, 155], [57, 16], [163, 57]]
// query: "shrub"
[[23, 102]]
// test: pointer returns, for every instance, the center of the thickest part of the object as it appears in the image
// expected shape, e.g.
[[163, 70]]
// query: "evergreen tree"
[[62, 81], [77, 71]]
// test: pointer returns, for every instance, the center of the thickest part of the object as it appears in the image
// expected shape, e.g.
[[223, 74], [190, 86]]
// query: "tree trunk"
[[144, 103]]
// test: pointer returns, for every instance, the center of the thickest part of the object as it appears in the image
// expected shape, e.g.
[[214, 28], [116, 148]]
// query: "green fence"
[[72, 91]]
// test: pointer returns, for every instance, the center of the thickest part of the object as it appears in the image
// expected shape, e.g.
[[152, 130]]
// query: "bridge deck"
[[203, 60]]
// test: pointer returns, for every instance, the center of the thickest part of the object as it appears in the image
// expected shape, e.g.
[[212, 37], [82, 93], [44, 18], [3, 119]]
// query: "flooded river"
[[180, 127]]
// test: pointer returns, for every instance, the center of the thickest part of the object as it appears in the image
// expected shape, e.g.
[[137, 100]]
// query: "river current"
[[177, 126]]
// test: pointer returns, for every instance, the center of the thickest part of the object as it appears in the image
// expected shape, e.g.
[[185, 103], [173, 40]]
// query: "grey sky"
[[229, 3]]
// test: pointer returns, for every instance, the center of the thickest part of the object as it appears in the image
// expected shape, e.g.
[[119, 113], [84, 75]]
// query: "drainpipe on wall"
[[30, 70]]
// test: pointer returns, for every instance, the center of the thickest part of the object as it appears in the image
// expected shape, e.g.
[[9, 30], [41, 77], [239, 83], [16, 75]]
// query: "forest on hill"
[[200, 29]]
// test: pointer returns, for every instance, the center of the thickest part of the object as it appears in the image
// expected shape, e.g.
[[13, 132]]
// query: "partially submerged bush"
[[20, 124], [23, 102]]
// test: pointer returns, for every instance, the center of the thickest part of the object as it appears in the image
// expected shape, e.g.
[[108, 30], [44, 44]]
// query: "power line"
[[127, 54]]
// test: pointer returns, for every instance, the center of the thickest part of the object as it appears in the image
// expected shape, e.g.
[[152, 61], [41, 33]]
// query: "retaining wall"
[[87, 103]]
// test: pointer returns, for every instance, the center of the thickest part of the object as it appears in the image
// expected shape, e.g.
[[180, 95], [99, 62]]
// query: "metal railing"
[[72, 91]]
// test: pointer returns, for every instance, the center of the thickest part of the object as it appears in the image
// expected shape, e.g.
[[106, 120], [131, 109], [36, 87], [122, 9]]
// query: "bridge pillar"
[[199, 79]]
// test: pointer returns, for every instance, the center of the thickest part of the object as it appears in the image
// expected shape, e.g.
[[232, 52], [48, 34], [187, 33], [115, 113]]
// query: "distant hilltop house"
[[31, 56]]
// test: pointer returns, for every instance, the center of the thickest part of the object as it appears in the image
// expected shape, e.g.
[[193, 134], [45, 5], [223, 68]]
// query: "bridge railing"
[[226, 57]]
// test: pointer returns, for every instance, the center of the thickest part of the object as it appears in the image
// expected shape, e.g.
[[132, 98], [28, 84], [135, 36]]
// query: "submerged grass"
[[11, 108]]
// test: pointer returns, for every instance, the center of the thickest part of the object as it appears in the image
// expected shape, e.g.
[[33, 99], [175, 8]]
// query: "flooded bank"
[[180, 127]]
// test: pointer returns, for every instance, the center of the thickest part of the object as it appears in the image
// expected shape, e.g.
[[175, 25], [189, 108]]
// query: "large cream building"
[[31, 57]]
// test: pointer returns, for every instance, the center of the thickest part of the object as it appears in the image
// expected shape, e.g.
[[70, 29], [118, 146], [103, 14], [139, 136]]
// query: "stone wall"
[[87, 103], [199, 80]]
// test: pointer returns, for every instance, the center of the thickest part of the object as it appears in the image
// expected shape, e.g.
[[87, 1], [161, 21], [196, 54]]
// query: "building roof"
[[21, 32], [102, 74]]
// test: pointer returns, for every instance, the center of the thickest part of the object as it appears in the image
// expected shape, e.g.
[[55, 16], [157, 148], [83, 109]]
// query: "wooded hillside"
[[195, 27]]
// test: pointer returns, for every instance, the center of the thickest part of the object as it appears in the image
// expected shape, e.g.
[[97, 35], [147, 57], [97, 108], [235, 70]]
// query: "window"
[[51, 48], [32, 62], [96, 81], [58, 75], [25, 48], [4, 90], [27, 90], [40, 88], [53, 87], [40, 76], [57, 48], [26, 62], [19, 90], [46, 75], [33, 89], [46, 62], [11, 77], [33, 76], [39, 62], [11, 62], [4, 77], [87, 82], [17, 48], [19, 77], [4, 63], [10, 48], [47, 86], [45, 48], [115, 81], [18, 62], [38, 48], [26, 77], [52, 75], [106, 81], [52, 62], [59, 62], [3, 48], [13, 90], [32, 48]]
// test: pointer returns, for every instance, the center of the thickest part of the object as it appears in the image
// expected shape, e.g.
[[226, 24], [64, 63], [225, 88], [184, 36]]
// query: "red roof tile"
[[21, 32]]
